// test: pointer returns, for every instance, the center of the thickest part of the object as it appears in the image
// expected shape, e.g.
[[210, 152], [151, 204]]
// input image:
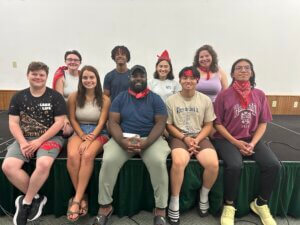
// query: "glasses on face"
[[73, 60], [240, 68]]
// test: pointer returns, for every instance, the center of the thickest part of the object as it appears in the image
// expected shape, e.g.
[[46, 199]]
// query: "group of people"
[[199, 116]]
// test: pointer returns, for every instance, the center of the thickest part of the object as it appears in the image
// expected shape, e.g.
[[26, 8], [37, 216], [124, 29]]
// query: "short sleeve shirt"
[[116, 82], [241, 123], [37, 113], [164, 88], [189, 115], [138, 115]]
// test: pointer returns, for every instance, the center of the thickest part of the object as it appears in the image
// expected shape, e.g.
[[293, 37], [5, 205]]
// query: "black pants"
[[233, 163]]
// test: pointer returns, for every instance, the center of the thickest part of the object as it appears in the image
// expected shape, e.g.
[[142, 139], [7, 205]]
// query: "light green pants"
[[154, 158]]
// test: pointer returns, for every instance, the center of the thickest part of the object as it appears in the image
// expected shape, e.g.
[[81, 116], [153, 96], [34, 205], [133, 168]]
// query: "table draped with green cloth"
[[133, 191]]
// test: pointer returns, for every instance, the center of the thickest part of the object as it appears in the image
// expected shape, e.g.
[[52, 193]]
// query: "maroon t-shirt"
[[241, 123]]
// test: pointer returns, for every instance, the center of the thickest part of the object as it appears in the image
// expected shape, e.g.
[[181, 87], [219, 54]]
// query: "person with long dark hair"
[[242, 115], [88, 109], [212, 78], [163, 83]]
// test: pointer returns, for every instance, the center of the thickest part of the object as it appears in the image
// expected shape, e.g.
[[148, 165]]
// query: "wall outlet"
[[274, 104], [14, 64], [296, 104]]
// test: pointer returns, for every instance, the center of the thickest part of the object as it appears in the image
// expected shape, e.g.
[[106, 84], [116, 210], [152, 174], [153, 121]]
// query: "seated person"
[[137, 119], [88, 109], [242, 114], [190, 120], [36, 115]]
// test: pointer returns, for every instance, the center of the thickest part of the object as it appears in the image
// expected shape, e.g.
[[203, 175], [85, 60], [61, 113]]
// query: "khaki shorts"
[[50, 148]]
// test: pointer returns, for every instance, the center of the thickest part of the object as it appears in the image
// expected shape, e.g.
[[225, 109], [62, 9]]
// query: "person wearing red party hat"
[[190, 120], [242, 115], [212, 78], [163, 82]]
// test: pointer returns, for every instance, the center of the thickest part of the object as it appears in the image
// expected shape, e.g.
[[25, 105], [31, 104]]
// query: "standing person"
[[242, 116], [88, 109], [212, 78], [117, 80], [163, 83], [36, 116], [137, 119], [65, 81], [190, 120]]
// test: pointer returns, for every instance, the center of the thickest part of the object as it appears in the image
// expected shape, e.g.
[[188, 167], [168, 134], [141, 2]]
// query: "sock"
[[174, 203], [204, 194], [25, 203], [229, 203], [36, 196], [260, 201]]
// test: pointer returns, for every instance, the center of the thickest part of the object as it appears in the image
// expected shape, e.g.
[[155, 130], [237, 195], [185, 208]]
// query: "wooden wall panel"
[[5, 97], [284, 104]]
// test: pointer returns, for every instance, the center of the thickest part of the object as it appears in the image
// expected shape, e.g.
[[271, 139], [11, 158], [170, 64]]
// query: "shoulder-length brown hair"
[[214, 64]]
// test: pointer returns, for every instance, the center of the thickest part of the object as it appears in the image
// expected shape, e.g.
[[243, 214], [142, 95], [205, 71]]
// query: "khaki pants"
[[154, 158]]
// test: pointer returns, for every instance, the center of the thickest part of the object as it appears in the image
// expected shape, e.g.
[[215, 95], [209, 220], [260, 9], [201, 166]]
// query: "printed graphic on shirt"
[[186, 114], [245, 114]]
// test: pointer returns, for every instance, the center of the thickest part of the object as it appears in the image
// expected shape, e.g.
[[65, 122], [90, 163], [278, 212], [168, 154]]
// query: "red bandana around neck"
[[139, 95], [205, 70], [243, 89]]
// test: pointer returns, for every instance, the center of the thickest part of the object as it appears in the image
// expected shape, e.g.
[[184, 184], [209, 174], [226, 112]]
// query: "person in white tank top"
[[65, 81], [88, 109]]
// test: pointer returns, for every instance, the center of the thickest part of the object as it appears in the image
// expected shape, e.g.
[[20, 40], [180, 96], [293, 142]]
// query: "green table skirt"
[[133, 191]]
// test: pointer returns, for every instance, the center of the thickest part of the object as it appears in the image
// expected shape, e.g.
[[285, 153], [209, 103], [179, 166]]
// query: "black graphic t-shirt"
[[37, 113]]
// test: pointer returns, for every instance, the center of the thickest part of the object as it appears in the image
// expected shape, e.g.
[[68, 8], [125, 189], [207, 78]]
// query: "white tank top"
[[70, 84]]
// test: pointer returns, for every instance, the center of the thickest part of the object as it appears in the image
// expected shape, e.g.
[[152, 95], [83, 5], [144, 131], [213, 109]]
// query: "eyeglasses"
[[240, 68], [73, 60]]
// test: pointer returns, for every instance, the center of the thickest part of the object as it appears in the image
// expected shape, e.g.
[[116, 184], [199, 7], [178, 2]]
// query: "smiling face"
[[89, 80], [72, 62], [120, 57], [205, 58], [138, 81], [163, 69], [188, 83], [37, 79], [242, 71]]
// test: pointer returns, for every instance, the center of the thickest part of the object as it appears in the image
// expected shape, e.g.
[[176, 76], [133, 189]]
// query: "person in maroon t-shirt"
[[242, 114]]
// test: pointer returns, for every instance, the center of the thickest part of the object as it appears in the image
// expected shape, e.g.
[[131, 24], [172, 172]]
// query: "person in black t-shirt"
[[36, 116]]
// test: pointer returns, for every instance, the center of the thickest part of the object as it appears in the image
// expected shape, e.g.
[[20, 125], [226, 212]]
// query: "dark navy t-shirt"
[[138, 115], [116, 82]]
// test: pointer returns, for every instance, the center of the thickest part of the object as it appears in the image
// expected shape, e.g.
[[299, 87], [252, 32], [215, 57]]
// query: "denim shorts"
[[89, 128]]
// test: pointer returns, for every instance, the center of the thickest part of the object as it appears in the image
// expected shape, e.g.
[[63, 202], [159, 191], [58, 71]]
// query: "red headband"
[[188, 73]]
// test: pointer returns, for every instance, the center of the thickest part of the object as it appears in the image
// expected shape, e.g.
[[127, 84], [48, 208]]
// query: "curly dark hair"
[[123, 49], [170, 75], [82, 90], [196, 73], [252, 78], [214, 64], [75, 52]]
